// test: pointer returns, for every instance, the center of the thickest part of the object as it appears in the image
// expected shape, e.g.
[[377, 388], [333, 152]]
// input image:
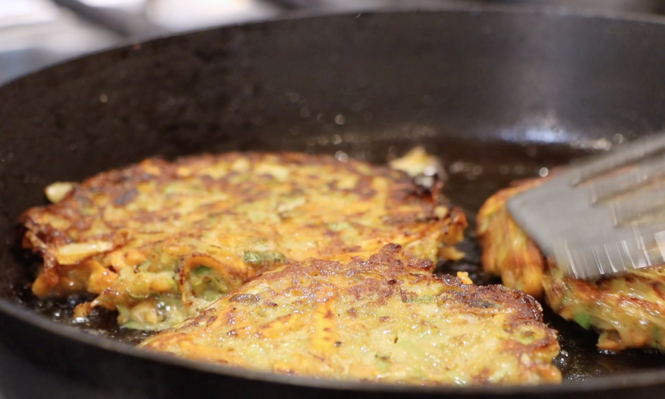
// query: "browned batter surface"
[[158, 241], [385, 318]]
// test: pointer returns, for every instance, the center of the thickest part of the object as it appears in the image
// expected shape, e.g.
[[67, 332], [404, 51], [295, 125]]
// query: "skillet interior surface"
[[498, 96]]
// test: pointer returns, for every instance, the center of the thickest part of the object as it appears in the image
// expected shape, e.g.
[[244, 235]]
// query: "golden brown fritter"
[[627, 311], [384, 319], [507, 251], [160, 240]]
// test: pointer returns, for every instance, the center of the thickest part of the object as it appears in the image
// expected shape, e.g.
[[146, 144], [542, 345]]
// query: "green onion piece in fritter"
[[262, 257], [583, 319]]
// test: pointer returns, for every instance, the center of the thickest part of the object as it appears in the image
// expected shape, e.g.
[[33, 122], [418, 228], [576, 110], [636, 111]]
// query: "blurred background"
[[36, 33]]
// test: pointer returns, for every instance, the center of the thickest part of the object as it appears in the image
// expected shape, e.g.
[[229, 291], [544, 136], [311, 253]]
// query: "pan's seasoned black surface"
[[504, 93]]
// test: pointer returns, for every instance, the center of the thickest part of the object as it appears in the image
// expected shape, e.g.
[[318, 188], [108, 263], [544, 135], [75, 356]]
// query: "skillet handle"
[[125, 24]]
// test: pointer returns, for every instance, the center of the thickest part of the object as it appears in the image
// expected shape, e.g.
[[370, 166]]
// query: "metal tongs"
[[602, 217]]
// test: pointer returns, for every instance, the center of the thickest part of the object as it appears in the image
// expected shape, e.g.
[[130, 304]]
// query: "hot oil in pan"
[[470, 182], [101, 322]]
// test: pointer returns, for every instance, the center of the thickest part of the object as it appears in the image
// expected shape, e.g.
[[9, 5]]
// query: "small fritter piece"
[[418, 163], [627, 311], [385, 319], [160, 240]]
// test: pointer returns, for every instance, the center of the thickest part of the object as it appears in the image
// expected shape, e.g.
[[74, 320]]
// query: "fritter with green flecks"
[[627, 311], [160, 240], [385, 318]]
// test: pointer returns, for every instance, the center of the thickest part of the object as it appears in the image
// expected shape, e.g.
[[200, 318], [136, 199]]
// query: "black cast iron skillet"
[[499, 95]]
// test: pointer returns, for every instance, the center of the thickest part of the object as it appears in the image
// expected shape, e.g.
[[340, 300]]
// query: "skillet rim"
[[602, 383]]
